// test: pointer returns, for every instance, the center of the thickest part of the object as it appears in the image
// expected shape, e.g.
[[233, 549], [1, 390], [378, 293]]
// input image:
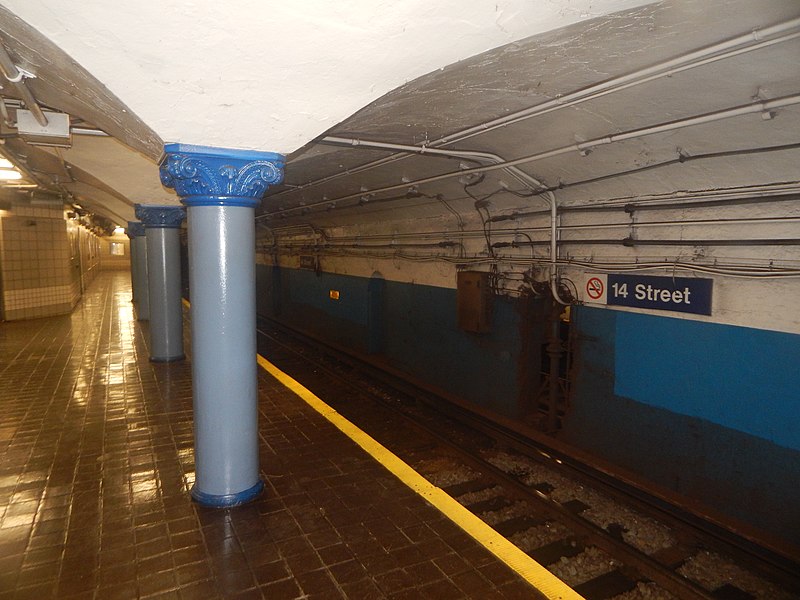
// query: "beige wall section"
[[407, 251], [45, 262], [34, 259], [115, 261]]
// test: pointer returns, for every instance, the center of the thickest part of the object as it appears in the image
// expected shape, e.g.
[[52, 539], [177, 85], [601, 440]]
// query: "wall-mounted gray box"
[[474, 301]]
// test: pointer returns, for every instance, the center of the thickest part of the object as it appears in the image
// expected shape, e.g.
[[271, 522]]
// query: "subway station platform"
[[96, 460]]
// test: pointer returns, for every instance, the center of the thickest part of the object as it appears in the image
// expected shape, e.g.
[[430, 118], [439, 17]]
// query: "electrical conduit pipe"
[[528, 180]]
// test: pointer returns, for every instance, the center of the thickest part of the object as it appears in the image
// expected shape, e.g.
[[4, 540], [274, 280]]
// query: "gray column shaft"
[[134, 283], [164, 281], [143, 293], [222, 280]]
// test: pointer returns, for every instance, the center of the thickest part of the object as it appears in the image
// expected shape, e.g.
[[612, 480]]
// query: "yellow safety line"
[[534, 573]]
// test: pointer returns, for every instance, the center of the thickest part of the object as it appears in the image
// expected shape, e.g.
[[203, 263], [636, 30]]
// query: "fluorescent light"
[[8, 174], [6, 164]]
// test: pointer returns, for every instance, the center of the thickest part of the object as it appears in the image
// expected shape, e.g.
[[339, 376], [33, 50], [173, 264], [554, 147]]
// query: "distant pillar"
[[141, 293], [221, 189], [132, 231], [162, 229]]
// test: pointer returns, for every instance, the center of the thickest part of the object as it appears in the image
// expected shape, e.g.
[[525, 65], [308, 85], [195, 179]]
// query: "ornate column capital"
[[205, 176], [160, 216], [135, 229]]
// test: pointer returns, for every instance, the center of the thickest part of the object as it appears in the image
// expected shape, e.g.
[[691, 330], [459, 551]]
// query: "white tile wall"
[[36, 297], [34, 262]]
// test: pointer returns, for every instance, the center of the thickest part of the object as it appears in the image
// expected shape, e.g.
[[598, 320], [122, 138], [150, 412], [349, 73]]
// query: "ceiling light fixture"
[[9, 174]]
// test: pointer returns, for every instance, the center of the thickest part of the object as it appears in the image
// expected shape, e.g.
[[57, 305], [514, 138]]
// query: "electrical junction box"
[[474, 301], [308, 262], [55, 133]]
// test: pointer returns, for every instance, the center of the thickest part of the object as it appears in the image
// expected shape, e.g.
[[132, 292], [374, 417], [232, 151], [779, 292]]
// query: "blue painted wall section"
[[418, 331], [737, 377], [707, 410], [423, 338], [305, 303]]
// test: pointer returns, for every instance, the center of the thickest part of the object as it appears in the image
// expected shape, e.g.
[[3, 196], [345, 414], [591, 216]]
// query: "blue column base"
[[166, 359], [227, 500]]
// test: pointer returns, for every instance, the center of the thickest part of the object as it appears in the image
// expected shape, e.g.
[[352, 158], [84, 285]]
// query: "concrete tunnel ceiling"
[[280, 77], [272, 76], [687, 86]]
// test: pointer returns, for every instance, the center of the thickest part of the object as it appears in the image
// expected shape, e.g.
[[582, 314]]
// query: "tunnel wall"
[[720, 427], [109, 261], [647, 393], [418, 333]]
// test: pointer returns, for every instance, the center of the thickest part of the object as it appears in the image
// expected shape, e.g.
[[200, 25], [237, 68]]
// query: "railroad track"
[[533, 498]]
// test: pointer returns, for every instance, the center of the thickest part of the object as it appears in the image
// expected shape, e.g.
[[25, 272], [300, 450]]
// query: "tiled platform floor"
[[96, 460]]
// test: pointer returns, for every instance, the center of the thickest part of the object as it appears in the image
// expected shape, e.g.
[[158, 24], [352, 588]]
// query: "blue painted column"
[[162, 229], [221, 189], [141, 291]]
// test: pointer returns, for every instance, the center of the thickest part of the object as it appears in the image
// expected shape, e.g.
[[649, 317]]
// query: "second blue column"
[[162, 233]]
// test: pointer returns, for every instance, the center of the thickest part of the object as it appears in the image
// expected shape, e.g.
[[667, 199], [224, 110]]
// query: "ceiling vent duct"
[[55, 133]]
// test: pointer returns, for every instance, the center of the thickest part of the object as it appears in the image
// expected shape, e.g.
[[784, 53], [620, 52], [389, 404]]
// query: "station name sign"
[[678, 294]]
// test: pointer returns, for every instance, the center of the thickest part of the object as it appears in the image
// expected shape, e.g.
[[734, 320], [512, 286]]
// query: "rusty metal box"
[[474, 301]]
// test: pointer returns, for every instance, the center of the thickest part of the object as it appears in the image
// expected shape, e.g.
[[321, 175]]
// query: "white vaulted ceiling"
[[274, 75], [281, 76]]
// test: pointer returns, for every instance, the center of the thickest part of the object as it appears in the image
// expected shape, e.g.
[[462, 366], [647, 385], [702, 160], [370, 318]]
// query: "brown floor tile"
[[286, 588], [150, 585], [394, 581], [316, 583], [498, 573], [304, 562], [271, 572], [194, 572], [441, 589], [424, 573], [366, 589], [470, 582]]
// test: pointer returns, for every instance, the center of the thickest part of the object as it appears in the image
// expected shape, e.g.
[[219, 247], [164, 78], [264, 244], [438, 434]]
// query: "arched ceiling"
[[669, 98], [571, 89], [274, 75]]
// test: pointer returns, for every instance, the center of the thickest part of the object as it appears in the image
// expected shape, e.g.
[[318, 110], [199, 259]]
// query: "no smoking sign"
[[594, 289]]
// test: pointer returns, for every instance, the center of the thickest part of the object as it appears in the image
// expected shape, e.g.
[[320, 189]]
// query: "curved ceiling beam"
[[119, 167], [64, 85]]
